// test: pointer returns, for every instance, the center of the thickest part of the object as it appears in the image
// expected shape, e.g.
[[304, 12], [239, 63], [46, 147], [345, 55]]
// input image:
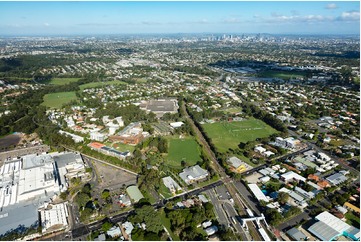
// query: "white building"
[[54, 217], [257, 192], [171, 184], [176, 124], [76, 138], [97, 136], [292, 176], [27, 183], [193, 174]]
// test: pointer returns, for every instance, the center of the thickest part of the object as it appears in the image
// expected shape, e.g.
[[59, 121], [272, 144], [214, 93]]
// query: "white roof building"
[[330, 227], [257, 192], [292, 175], [171, 184], [193, 174], [176, 124], [260, 149], [54, 216], [114, 232], [27, 183], [97, 136]]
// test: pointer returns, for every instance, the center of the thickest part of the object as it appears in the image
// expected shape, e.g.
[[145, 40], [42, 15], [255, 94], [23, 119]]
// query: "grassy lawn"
[[62, 81], [56, 100], [166, 223], [121, 147], [228, 135], [233, 110], [186, 149], [282, 74], [100, 84], [352, 219], [165, 191]]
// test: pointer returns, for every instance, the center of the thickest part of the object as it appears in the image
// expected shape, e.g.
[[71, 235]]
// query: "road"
[[219, 170], [81, 230], [246, 195], [294, 221], [220, 214]]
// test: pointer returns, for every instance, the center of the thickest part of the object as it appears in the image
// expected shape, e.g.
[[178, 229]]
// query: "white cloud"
[[331, 6], [350, 16], [46, 24]]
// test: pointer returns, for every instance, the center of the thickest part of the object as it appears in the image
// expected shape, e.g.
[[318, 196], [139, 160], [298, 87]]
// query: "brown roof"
[[313, 177], [323, 184], [95, 145]]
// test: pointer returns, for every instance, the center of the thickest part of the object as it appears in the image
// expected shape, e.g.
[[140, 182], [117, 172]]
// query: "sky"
[[73, 18]]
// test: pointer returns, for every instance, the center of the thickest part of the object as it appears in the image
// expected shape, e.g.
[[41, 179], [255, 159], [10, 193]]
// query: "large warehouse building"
[[160, 106], [26, 184], [329, 227]]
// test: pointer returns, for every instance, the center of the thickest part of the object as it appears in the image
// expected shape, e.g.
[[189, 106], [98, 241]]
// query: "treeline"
[[27, 65], [195, 70], [184, 222]]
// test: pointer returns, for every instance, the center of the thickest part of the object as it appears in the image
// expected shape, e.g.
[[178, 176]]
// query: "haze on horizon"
[[69, 18]]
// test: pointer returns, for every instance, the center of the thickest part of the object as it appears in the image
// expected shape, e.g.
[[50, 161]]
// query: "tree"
[[86, 188], [106, 195], [106, 226], [150, 217], [283, 197], [82, 198], [273, 216]]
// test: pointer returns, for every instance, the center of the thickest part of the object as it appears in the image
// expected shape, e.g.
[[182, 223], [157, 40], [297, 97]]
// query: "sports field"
[[186, 149], [63, 81], [282, 74], [100, 84], [227, 135], [56, 100]]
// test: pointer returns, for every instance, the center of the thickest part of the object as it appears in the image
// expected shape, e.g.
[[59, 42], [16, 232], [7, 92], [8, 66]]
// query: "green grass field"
[[233, 110], [121, 146], [281, 74], [56, 100], [100, 84], [186, 149], [62, 81], [228, 135]]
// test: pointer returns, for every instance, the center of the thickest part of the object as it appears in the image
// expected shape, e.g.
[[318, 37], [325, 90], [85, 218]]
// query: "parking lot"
[[112, 178], [254, 177]]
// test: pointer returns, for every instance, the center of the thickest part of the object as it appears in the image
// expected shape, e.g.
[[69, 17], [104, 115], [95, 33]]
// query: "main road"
[[228, 182]]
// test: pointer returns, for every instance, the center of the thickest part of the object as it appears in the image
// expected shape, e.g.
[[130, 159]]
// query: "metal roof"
[[134, 193], [257, 192], [296, 234], [323, 231]]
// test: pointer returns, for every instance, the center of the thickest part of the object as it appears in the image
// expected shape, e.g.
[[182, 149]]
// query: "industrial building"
[[160, 106], [328, 228], [28, 183]]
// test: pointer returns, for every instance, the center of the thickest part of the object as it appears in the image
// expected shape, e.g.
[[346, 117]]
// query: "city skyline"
[[72, 18]]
